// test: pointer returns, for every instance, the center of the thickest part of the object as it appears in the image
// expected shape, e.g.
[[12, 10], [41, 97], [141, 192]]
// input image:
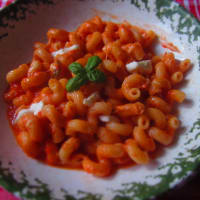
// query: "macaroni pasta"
[[101, 126]]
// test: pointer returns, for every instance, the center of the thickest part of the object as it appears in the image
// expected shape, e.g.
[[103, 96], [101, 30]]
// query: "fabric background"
[[191, 5]]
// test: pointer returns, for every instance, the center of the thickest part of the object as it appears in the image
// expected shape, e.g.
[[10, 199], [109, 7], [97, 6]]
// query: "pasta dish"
[[96, 99]]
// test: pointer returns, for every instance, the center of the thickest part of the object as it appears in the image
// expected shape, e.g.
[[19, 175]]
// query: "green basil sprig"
[[76, 82], [92, 63], [96, 76], [85, 74], [76, 68]]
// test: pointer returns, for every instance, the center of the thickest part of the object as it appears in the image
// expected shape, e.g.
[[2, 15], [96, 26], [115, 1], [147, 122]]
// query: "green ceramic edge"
[[40, 191], [167, 9], [10, 14], [128, 191], [142, 191], [138, 4]]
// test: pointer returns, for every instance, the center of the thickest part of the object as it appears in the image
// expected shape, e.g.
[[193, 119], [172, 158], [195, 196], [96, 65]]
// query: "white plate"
[[20, 28]]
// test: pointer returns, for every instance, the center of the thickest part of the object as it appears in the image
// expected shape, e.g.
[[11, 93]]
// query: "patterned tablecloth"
[[192, 5]]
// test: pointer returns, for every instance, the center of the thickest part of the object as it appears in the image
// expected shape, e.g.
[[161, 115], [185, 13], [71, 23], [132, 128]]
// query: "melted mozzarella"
[[144, 65], [91, 99], [35, 108], [104, 118], [132, 66], [65, 50], [108, 118]]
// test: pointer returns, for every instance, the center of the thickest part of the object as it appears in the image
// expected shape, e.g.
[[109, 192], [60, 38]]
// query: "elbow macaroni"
[[122, 124]]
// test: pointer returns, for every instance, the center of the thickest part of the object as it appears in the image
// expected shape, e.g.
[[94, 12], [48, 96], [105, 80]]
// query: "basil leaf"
[[76, 68], [96, 76], [92, 63], [76, 82], [83, 75]]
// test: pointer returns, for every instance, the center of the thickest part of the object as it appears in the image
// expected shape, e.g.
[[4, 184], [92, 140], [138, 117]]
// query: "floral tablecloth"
[[192, 5]]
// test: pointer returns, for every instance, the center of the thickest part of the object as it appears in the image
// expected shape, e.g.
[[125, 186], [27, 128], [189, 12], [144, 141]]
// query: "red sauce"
[[170, 46]]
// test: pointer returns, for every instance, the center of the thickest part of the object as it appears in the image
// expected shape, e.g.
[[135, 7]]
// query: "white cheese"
[[91, 99], [108, 118], [132, 66], [65, 50], [144, 66], [35, 108], [104, 118]]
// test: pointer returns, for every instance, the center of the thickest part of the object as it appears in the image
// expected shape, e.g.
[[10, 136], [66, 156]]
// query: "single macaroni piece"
[[157, 116], [173, 122], [161, 70], [131, 85], [176, 96], [170, 62], [78, 126], [110, 150], [143, 122], [130, 109], [94, 41], [136, 154], [161, 136], [67, 148], [144, 141], [35, 66], [57, 34], [43, 54], [17, 74], [159, 103], [97, 98], [101, 168], [119, 128], [177, 77]]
